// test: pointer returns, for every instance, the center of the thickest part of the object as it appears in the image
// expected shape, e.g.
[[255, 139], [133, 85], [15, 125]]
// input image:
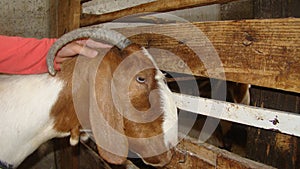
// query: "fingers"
[[93, 44], [73, 49], [87, 48], [88, 52], [61, 59]]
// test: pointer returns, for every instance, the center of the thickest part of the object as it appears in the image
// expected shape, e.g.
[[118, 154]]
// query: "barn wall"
[[28, 18]]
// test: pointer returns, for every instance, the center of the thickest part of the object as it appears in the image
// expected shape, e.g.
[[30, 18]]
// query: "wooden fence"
[[260, 52]]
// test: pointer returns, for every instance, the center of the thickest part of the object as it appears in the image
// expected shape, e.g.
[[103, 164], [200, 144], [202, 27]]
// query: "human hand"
[[84, 47]]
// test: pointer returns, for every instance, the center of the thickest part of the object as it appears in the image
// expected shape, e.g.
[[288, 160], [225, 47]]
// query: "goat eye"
[[140, 79]]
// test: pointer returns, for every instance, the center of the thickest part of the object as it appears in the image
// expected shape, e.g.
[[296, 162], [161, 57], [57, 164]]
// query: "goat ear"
[[106, 122], [80, 91]]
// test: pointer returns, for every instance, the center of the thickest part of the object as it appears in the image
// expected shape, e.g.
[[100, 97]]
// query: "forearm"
[[23, 55]]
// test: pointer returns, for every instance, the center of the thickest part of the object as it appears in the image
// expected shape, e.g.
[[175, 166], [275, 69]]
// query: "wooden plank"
[[259, 52], [43, 157], [66, 155], [189, 153], [64, 16], [273, 148], [155, 6], [270, 147], [74, 14], [53, 18], [237, 10], [89, 158], [276, 8]]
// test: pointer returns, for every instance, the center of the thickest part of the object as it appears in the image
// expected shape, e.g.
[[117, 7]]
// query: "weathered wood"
[[74, 14], [273, 148], [276, 8], [237, 10], [270, 147], [259, 52], [66, 155], [191, 154], [90, 159], [43, 157], [64, 16], [155, 6], [53, 19]]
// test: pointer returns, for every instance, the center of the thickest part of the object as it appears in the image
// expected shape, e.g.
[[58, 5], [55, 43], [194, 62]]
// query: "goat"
[[36, 108]]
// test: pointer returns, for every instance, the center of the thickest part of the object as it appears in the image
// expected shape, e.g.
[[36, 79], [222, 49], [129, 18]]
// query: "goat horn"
[[105, 35]]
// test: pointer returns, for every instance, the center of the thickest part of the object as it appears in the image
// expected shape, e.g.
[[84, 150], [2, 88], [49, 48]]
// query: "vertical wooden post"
[[53, 15], [64, 16], [74, 14]]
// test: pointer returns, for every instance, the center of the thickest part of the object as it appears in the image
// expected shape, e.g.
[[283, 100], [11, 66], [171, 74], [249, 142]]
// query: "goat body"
[[26, 102], [36, 108]]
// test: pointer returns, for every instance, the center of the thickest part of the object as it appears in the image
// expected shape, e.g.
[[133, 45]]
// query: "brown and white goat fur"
[[36, 108]]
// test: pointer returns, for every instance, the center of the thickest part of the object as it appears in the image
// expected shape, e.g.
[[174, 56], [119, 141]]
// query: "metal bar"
[[284, 122]]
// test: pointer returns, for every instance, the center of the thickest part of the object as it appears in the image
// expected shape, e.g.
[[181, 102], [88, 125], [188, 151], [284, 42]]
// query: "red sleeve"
[[23, 55]]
